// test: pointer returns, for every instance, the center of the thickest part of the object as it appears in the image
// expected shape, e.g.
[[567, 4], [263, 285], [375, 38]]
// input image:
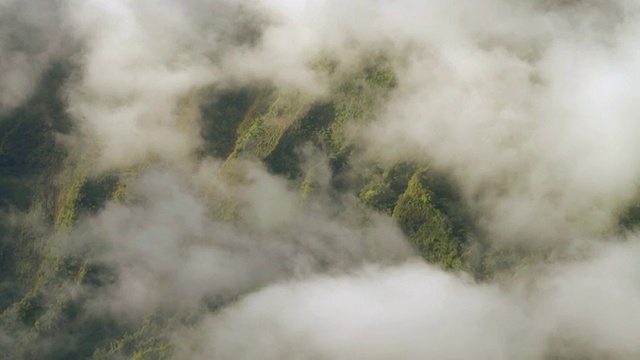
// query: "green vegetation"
[[149, 342], [29, 154], [386, 186], [42, 297], [221, 117], [44, 189], [271, 115], [428, 229]]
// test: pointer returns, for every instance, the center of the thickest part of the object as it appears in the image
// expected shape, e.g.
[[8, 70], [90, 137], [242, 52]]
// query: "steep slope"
[[44, 288]]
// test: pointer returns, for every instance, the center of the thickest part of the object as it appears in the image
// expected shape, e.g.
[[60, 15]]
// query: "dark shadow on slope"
[[221, 118], [285, 158], [29, 152]]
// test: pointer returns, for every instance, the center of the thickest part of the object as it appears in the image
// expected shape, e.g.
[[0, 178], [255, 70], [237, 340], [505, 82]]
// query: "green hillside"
[[45, 188]]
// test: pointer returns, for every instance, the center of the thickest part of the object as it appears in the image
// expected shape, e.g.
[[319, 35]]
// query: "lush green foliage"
[[386, 186], [427, 227], [40, 287]]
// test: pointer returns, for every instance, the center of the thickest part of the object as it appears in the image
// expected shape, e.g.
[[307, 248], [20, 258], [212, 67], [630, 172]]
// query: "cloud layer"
[[529, 106]]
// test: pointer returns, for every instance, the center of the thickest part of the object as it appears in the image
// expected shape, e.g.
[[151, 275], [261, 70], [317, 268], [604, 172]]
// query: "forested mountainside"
[[46, 188], [273, 180]]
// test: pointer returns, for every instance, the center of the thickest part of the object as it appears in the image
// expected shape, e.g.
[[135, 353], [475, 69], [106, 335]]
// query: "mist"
[[31, 37], [534, 114], [167, 249], [528, 107], [582, 310]]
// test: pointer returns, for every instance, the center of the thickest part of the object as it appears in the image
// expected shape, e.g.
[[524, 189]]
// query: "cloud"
[[529, 106], [140, 67], [408, 312], [166, 248], [32, 36], [585, 308]]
